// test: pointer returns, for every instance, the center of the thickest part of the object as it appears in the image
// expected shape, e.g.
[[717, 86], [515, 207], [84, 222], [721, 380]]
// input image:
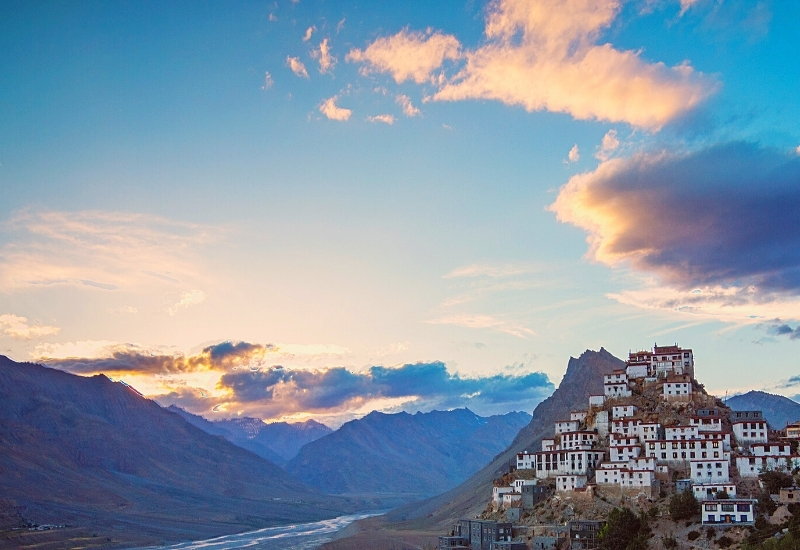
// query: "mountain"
[[404, 455], [90, 452], [584, 377], [277, 442], [777, 409]]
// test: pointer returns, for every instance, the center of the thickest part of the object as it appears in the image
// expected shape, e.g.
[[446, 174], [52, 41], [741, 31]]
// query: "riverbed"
[[301, 536]]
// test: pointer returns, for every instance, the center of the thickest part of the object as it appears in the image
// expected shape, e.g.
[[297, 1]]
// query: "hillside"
[[584, 376], [91, 452], [434, 516], [277, 442], [777, 409], [404, 455]]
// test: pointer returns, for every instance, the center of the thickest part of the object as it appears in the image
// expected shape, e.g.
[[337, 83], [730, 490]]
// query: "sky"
[[310, 209]]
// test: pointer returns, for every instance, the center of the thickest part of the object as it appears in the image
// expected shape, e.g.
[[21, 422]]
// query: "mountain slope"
[[414, 456], [584, 377], [777, 409], [89, 451], [277, 442]]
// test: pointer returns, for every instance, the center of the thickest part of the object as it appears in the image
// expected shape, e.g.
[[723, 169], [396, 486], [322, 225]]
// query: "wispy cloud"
[[408, 55], [608, 145], [490, 270], [408, 108], [309, 32], [268, 82], [333, 111], [478, 321], [186, 299], [102, 250], [18, 328], [296, 66], [546, 55], [574, 154], [386, 119], [323, 55]]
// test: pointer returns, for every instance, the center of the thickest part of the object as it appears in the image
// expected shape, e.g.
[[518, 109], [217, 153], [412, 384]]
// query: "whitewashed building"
[[708, 491], [649, 431], [751, 466], [497, 494], [625, 426], [564, 426], [674, 451], [570, 482], [726, 512], [624, 453], [622, 411], [710, 471], [706, 423], [597, 400], [750, 431], [771, 449], [580, 416], [578, 440], [680, 432], [678, 387]]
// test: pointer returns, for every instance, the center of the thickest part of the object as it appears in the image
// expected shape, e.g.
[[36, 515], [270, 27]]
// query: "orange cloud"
[[544, 56], [408, 55], [333, 111], [18, 328]]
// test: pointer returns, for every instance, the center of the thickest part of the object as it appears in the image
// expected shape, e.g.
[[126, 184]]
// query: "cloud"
[[574, 154], [279, 391], [297, 66], [408, 55], [408, 108], [386, 119], [783, 329], [546, 55], [332, 111], [482, 322], [99, 250], [609, 144], [18, 328], [187, 299], [268, 82], [103, 356], [309, 32], [717, 226], [123, 310], [686, 4], [240, 381], [323, 54], [486, 270]]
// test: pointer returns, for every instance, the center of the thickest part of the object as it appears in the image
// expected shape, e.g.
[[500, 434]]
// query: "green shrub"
[[693, 535], [669, 542], [683, 506], [724, 541]]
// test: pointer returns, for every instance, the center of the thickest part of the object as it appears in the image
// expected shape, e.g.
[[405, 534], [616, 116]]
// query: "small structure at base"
[[729, 512]]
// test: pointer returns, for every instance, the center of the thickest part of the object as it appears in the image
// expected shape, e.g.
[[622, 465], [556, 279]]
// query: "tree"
[[683, 506], [775, 480], [624, 530]]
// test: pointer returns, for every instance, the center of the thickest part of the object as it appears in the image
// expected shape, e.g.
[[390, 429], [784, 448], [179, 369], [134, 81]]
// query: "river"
[[301, 536]]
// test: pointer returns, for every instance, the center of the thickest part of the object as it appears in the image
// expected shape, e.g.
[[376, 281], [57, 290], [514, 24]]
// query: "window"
[[711, 507], [742, 507], [727, 507]]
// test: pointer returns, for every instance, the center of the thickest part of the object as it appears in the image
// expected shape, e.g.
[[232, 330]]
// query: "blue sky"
[[491, 187]]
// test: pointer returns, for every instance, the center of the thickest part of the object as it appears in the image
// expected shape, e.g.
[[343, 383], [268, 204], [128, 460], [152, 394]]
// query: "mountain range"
[[88, 451], [437, 514], [777, 409], [409, 456], [277, 442]]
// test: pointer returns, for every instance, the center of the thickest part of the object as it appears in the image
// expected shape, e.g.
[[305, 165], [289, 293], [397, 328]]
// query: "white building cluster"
[[632, 450]]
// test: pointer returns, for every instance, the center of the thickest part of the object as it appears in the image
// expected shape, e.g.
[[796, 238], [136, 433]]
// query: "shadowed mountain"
[[584, 377], [87, 451], [777, 409], [405, 456], [278, 442]]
